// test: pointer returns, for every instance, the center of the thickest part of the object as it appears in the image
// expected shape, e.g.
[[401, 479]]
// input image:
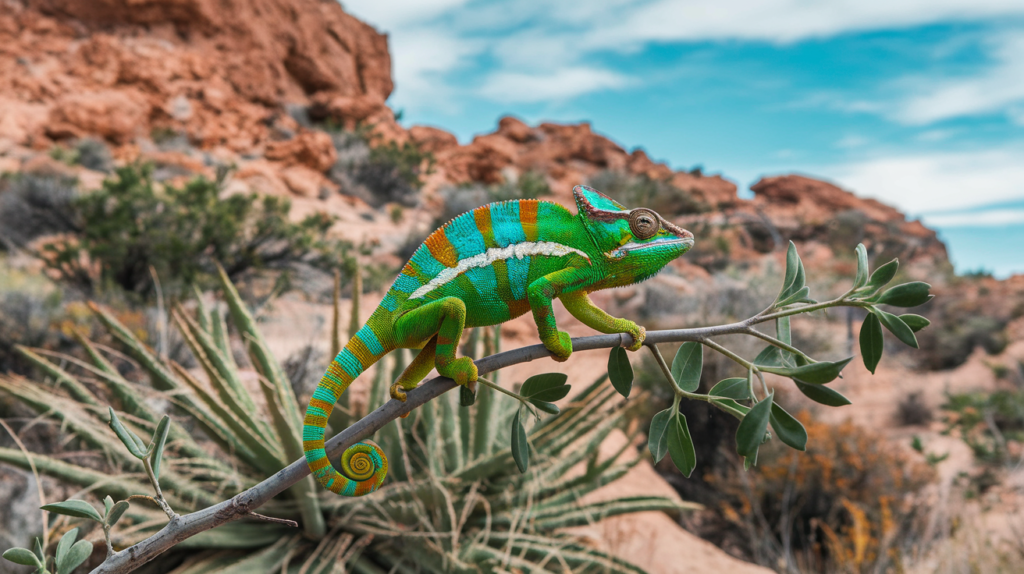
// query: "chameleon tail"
[[363, 465]]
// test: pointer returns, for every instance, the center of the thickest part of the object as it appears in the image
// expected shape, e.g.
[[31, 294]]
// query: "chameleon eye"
[[643, 223]]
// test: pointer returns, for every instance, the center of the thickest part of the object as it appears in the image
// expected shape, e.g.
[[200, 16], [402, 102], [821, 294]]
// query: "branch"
[[243, 504]]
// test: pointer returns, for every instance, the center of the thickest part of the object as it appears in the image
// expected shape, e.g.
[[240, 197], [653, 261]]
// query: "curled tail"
[[363, 465]]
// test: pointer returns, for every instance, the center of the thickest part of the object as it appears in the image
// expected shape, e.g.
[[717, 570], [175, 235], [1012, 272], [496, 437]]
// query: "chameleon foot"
[[461, 370], [639, 334], [560, 347], [397, 392]]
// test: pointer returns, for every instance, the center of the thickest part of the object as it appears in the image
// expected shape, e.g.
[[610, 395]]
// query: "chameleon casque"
[[482, 268]]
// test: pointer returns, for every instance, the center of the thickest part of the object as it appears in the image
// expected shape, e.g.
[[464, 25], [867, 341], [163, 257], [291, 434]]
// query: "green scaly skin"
[[483, 268]]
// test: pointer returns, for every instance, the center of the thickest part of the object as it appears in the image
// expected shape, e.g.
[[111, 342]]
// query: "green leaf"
[[657, 437], [915, 322], [822, 394], [130, 440], [680, 445], [520, 448], [620, 371], [687, 365], [871, 342], [735, 388], [750, 433], [772, 356], [78, 554], [547, 387], [789, 430], [732, 407], [897, 327], [906, 295], [65, 544], [815, 373], [795, 297], [783, 332], [22, 556], [549, 408], [76, 508], [466, 396], [882, 276], [794, 279], [862, 267], [116, 512], [157, 446], [108, 503]]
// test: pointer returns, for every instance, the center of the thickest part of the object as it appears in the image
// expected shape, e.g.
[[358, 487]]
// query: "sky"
[[917, 103]]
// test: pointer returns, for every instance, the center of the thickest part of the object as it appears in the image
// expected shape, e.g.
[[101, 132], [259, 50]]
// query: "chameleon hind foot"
[[397, 392], [560, 346], [638, 333]]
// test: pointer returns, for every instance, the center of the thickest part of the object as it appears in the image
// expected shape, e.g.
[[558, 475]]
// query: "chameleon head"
[[636, 242]]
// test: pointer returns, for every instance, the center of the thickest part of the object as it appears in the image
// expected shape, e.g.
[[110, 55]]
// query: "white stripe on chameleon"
[[519, 251]]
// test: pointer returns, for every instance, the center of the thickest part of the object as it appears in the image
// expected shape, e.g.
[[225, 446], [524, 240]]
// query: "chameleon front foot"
[[461, 370], [638, 333], [397, 392]]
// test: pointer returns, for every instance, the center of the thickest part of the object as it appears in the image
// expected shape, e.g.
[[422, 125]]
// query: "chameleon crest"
[[482, 268]]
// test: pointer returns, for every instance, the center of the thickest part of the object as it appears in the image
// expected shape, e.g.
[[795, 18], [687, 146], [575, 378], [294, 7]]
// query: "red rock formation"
[[218, 70]]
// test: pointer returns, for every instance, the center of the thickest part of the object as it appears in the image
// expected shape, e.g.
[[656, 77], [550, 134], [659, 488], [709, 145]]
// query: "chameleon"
[[483, 268]]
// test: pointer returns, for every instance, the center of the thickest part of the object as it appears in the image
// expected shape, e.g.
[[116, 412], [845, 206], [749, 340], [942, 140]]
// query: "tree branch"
[[244, 503]]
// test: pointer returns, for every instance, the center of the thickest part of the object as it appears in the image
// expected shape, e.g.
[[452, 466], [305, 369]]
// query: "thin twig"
[[266, 518]]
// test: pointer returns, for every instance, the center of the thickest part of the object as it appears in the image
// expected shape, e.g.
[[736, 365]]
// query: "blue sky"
[[918, 103]]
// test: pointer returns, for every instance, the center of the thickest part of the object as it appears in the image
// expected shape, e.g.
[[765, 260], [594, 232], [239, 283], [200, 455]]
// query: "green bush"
[[379, 173], [131, 225], [992, 424]]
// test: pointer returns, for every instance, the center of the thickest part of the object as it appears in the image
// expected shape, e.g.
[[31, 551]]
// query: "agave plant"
[[455, 500]]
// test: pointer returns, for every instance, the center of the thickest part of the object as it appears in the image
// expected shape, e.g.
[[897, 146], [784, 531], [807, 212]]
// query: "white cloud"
[[852, 141], [994, 89], [555, 85], [942, 181], [986, 218]]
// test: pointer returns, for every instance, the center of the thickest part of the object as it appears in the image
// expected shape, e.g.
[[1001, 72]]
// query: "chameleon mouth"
[[632, 247]]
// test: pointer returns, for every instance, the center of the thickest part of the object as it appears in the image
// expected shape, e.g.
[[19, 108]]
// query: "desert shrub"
[[643, 191], [379, 172], [849, 504], [132, 225], [956, 335], [32, 206], [991, 423], [913, 411], [94, 154]]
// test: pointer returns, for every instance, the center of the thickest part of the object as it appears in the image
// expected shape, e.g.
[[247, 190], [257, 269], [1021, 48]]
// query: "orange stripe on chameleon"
[[528, 218], [442, 249], [482, 217]]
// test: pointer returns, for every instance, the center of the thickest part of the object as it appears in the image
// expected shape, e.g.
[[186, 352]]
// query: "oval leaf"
[[466, 396], [657, 437], [550, 408], [680, 445], [620, 371], [76, 508], [822, 394], [897, 327], [815, 373], [132, 442], [157, 446], [783, 330], [795, 297], [78, 554], [116, 512], [882, 276], [789, 430], [862, 267], [735, 388], [906, 295], [915, 322], [546, 387], [732, 407], [871, 342], [22, 556], [750, 434], [520, 448], [65, 543], [772, 356], [108, 503], [792, 264], [687, 365]]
